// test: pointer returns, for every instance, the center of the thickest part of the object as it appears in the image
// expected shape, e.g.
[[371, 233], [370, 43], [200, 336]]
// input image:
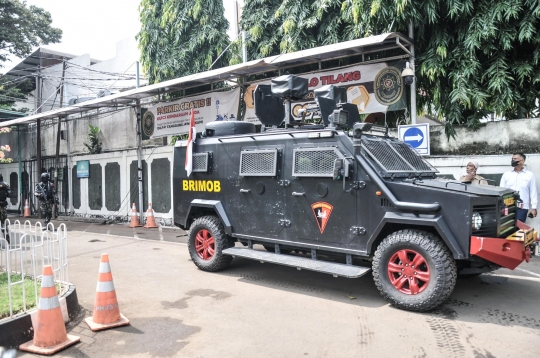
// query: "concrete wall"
[[107, 194], [491, 167], [492, 138], [118, 132]]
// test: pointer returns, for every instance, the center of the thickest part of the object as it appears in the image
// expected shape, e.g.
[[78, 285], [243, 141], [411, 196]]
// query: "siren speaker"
[[268, 109], [328, 97]]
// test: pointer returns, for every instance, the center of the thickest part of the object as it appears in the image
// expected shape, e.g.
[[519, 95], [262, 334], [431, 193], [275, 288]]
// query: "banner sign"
[[373, 88], [172, 118], [83, 169]]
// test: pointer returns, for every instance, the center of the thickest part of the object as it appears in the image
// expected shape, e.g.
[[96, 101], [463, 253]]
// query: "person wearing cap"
[[524, 182], [471, 176]]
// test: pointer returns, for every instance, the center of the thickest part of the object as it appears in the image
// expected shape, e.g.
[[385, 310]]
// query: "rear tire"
[[414, 270], [206, 242]]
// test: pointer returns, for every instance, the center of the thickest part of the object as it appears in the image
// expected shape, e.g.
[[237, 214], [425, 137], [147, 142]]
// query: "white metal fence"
[[24, 250]]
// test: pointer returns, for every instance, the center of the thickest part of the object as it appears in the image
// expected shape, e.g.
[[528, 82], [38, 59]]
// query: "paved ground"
[[262, 310]]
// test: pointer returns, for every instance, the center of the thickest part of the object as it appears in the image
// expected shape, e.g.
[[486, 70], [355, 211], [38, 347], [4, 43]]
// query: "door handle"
[[297, 193], [245, 190]]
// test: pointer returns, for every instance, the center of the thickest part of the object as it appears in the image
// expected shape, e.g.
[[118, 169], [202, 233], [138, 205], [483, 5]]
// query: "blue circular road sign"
[[413, 136]]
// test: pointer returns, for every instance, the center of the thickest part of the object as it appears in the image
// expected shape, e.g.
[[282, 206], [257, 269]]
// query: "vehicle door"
[[260, 204], [321, 210]]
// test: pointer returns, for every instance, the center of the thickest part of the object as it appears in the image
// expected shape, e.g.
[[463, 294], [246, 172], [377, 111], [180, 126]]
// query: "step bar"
[[301, 263]]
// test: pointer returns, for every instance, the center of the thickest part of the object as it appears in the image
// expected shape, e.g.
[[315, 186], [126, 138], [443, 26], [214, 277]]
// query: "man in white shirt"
[[522, 181]]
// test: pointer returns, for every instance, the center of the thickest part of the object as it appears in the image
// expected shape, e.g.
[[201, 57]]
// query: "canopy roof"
[[324, 53]]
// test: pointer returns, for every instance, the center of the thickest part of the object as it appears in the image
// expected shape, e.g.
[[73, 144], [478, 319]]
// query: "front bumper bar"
[[508, 252]]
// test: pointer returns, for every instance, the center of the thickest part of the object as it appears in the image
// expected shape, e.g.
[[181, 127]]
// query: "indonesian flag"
[[189, 148]]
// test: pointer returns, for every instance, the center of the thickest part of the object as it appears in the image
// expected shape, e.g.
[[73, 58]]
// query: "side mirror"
[[338, 169]]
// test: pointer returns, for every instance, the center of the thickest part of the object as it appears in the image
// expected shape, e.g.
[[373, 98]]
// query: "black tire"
[[209, 260], [222, 128], [436, 264]]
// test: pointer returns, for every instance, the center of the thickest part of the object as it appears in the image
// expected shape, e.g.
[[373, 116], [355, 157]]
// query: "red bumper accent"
[[522, 225], [505, 253]]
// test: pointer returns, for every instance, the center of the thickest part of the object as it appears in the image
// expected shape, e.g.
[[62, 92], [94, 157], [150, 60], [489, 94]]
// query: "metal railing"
[[24, 250]]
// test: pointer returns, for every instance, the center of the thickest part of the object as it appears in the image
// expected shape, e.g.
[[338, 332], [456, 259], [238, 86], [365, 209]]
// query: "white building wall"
[[489, 164], [86, 80], [124, 159]]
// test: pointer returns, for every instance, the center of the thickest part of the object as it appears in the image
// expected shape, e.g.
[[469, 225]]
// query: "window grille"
[[258, 163], [200, 162], [317, 162]]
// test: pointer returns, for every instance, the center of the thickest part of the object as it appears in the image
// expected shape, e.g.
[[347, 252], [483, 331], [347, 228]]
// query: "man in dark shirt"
[[46, 193], [5, 192]]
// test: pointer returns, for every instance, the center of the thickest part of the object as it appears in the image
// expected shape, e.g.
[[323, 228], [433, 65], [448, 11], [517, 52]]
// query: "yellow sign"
[[509, 201], [527, 236], [201, 185]]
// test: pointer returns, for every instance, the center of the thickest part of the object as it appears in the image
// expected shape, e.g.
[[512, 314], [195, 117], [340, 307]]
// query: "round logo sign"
[[148, 124], [388, 86]]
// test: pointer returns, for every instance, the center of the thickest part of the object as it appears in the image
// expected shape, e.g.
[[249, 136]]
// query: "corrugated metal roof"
[[314, 55], [6, 113]]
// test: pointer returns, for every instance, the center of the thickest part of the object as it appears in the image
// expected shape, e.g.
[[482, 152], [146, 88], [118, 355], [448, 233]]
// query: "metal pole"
[[38, 127], [20, 169], [413, 85], [57, 159], [244, 47], [139, 152], [70, 182]]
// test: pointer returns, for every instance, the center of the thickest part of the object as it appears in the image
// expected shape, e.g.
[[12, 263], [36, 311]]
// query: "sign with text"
[[172, 118], [83, 169], [372, 88], [417, 136]]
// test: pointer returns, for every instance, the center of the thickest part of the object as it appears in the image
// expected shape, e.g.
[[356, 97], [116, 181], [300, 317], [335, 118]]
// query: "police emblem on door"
[[322, 212]]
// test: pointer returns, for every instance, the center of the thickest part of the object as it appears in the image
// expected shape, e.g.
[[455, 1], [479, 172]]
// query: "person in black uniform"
[[5, 192], [46, 193]]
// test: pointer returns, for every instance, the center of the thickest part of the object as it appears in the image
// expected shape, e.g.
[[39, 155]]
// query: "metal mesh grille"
[[387, 158], [412, 157], [200, 162], [395, 156], [258, 163], [318, 162]]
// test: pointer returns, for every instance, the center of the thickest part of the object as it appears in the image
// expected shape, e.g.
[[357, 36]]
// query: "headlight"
[[476, 221]]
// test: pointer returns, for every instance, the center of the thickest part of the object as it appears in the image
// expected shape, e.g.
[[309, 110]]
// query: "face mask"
[[514, 163]]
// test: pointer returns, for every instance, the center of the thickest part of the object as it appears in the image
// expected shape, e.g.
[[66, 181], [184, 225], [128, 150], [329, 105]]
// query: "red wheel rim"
[[204, 244], [408, 272]]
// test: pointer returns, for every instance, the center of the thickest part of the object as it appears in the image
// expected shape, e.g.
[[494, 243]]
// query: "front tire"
[[414, 270], [206, 241]]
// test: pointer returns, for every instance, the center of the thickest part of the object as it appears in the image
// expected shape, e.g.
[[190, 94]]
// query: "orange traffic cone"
[[106, 311], [134, 217], [150, 220], [26, 212], [50, 334]]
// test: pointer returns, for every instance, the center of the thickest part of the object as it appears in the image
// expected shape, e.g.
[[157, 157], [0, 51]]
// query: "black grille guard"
[[403, 205]]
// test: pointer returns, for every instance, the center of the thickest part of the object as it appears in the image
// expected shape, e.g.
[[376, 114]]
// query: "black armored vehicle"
[[341, 202]]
